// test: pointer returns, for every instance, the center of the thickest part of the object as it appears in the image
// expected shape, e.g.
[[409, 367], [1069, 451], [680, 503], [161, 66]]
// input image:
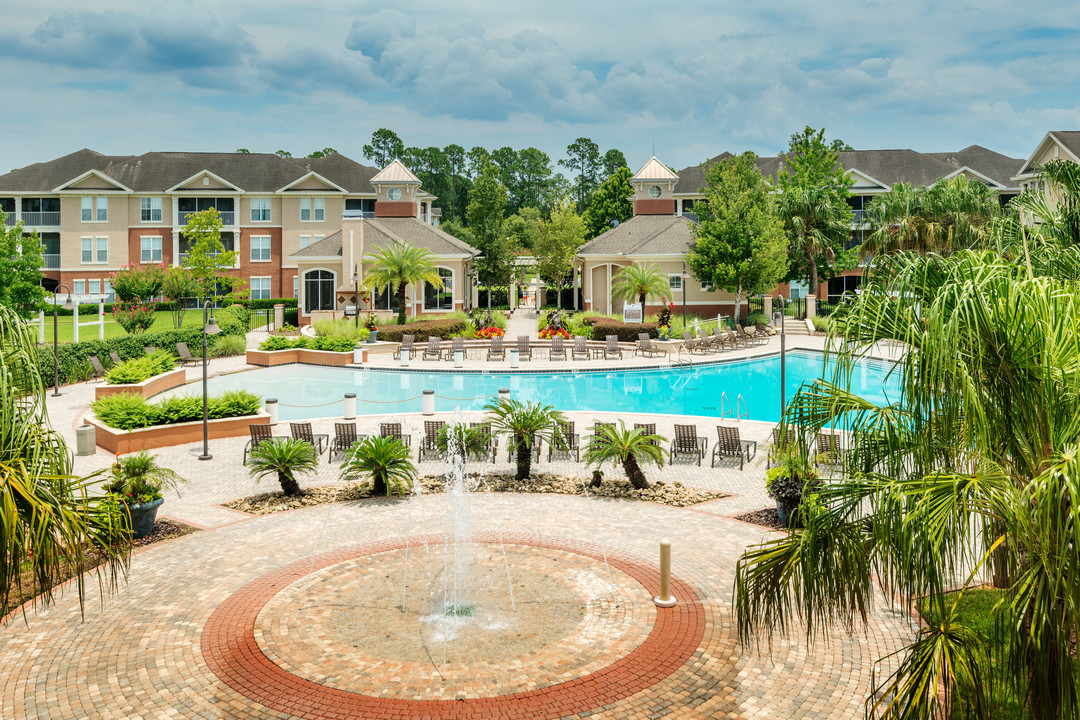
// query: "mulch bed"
[[766, 517]]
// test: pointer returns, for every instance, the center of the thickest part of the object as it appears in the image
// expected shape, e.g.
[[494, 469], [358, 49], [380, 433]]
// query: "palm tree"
[[527, 424], [285, 458], [51, 523], [388, 462], [973, 470], [1058, 210], [625, 446], [398, 265], [640, 281], [816, 218]]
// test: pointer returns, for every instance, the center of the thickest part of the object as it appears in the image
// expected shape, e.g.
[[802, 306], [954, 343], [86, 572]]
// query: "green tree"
[[539, 184], [739, 245], [478, 157], [20, 268], [627, 447], [323, 153], [971, 469], [455, 161], [283, 458], [583, 158], [51, 522], [385, 147], [207, 258], [526, 424], [556, 245], [486, 213], [452, 227], [810, 135], [522, 226], [613, 160], [179, 286], [637, 282], [398, 265], [1059, 219], [386, 460], [283, 153], [611, 201], [243, 151]]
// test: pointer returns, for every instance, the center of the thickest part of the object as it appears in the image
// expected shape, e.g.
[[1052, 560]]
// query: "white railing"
[[50, 261], [41, 219]]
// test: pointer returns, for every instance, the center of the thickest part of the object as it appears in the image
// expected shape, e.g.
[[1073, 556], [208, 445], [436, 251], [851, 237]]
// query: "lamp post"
[[68, 305], [356, 296], [780, 300], [685, 276], [210, 327]]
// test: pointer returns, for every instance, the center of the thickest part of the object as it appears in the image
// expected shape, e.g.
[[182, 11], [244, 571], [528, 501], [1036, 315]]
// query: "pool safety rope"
[[388, 402]]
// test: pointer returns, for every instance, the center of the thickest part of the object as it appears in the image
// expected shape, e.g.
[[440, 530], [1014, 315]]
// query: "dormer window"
[[393, 194], [655, 192]]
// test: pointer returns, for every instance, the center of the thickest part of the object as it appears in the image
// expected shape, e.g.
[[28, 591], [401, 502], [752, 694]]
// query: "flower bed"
[[126, 441], [490, 332], [550, 332], [147, 388]]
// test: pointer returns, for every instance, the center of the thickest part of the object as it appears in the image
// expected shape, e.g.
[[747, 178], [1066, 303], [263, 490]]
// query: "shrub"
[[139, 369], [233, 320], [333, 344], [341, 327], [754, 319], [282, 342], [228, 346], [626, 333], [127, 411], [134, 317], [821, 324], [292, 317], [424, 329]]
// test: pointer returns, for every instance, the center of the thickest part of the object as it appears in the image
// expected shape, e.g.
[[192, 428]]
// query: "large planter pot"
[[372, 335], [784, 510], [143, 517]]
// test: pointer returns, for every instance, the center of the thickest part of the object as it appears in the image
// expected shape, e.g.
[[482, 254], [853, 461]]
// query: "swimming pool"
[[309, 391]]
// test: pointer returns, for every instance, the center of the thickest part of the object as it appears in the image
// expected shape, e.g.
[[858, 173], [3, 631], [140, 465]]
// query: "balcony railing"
[[50, 261], [358, 214], [182, 258], [228, 217], [859, 215], [41, 219], [9, 220]]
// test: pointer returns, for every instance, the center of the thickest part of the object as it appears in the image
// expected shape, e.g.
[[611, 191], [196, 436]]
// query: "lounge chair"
[[737, 339], [497, 351], [705, 341], [611, 346], [645, 348], [720, 340], [344, 438], [99, 371], [429, 444], [692, 344], [492, 446], [830, 452], [558, 348], [433, 351], [393, 429], [569, 446], [647, 429], [457, 344], [580, 348], [115, 358], [687, 445], [524, 347], [597, 437], [302, 431], [729, 444], [790, 439], [408, 344], [185, 355], [259, 434]]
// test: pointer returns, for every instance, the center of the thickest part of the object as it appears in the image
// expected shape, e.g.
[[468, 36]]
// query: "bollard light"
[[664, 599]]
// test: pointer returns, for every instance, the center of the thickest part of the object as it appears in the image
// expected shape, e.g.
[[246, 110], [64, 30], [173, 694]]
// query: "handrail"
[[735, 412], [724, 402], [741, 402]]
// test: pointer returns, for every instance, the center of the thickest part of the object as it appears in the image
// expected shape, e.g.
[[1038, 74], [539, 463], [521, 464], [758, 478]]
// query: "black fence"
[[551, 299], [755, 305], [793, 308]]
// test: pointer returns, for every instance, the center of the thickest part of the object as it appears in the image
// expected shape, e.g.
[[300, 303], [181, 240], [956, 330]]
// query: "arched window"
[[440, 298], [318, 290]]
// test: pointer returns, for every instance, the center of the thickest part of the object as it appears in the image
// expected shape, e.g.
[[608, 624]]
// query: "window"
[[674, 282], [260, 210], [94, 287], [260, 248], [655, 192], [95, 209], [320, 209], [385, 300], [306, 205], [393, 194], [87, 250], [318, 290], [296, 286], [103, 250], [88, 246], [150, 209], [305, 240], [78, 287], [110, 296], [260, 288], [150, 250], [707, 287], [440, 298]]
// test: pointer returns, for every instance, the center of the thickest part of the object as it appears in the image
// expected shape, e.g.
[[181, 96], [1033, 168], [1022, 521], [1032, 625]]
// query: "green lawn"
[[162, 321]]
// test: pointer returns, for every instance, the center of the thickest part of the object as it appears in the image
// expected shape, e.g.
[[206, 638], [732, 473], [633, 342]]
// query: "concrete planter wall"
[[270, 358], [147, 388], [127, 441]]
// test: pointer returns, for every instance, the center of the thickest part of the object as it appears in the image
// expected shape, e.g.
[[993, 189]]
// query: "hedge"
[[423, 330], [127, 411], [602, 327]]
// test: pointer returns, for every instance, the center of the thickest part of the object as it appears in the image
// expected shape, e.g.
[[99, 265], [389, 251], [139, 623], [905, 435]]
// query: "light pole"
[[685, 276], [780, 301], [68, 305], [356, 297], [210, 327]]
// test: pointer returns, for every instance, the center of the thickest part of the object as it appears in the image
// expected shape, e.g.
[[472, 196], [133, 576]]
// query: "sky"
[[682, 81]]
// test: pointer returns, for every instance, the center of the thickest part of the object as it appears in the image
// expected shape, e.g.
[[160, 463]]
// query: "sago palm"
[[640, 281], [972, 472], [628, 447], [283, 458], [527, 424], [51, 523], [386, 460], [398, 265]]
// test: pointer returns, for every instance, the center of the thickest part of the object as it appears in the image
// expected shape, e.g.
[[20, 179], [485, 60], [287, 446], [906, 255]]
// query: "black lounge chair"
[[186, 358], [393, 429], [302, 431], [687, 445], [345, 437], [569, 445], [729, 444]]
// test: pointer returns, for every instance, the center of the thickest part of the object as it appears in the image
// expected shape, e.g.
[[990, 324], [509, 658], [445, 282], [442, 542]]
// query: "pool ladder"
[[735, 412], [680, 360]]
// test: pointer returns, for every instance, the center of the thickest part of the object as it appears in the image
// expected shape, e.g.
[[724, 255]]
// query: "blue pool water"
[[307, 391]]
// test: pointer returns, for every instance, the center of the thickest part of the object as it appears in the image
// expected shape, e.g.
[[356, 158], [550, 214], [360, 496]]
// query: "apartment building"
[[97, 213]]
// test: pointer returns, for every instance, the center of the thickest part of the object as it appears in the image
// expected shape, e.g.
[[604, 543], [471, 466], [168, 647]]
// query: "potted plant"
[[373, 327], [137, 481], [792, 477], [664, 321]]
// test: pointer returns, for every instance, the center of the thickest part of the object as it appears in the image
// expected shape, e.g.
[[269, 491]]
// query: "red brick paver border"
[[232, 653]]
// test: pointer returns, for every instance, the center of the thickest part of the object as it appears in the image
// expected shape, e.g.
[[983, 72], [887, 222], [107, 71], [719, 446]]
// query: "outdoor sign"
[[631, 313]]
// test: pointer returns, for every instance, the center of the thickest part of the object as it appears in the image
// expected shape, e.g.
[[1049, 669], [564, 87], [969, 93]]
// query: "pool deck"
[[149, 650]]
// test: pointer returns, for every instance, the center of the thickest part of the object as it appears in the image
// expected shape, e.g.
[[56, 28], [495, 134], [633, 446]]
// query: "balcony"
[[859, 215], [50, 261], [182, 258], [40, 219], [9, 220], [358, 214], [228, 217]]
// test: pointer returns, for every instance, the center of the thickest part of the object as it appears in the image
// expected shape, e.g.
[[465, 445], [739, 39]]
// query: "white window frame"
[[305, 209], [143, 249], [101, 250], [302, 302], [319, 206], [93, 251], [252, 287], [296, 286], [453, 279], [107, 291], [90, 286], [150, 209], [97, 207], [675, 283], [260, 209], [78, 287], [86, 249], [707, 287], [258, 252], [305, 240]]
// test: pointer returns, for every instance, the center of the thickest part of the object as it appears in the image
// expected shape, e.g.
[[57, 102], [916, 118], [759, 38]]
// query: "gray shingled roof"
[[159, 171], [1070, 139], [999, 168], [380, 232], [643, 235]]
